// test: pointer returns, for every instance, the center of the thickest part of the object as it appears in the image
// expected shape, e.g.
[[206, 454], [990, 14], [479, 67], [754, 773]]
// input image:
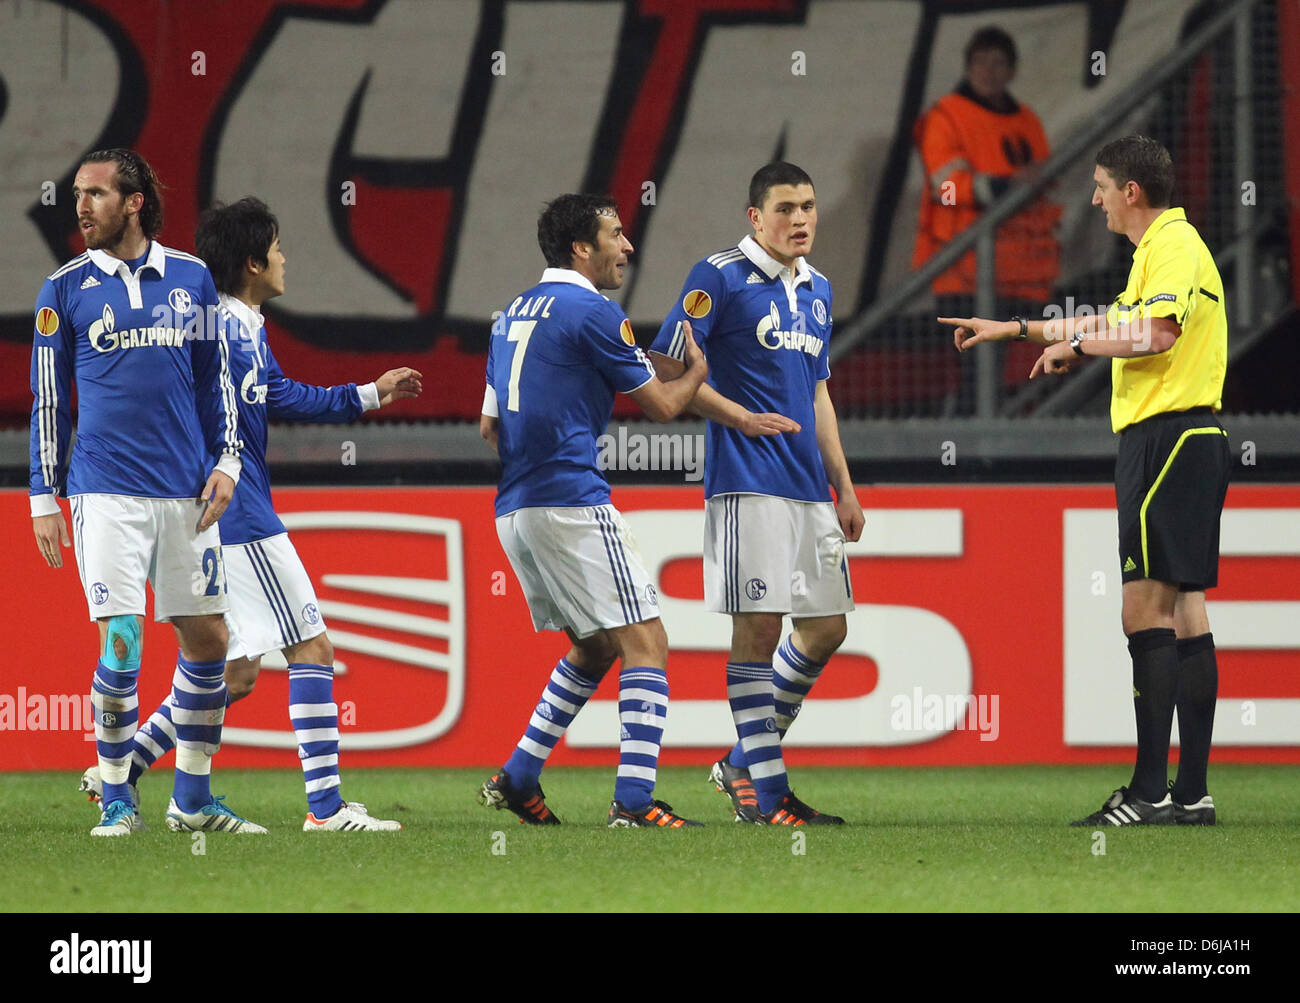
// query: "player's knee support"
[[123, 644]]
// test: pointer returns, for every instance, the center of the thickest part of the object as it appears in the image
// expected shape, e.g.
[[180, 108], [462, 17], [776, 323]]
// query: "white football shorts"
[[122, 541], [764, 554], [579, 568], [272, 602]]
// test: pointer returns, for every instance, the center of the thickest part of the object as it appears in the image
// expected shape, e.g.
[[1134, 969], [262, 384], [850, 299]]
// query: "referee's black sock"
[[1155, 676], [1196, 693]]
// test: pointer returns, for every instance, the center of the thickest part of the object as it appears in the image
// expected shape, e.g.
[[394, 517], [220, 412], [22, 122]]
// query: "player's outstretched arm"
[[51, 533], [289, 400], [711, 405], [847, 507], [664, 400]]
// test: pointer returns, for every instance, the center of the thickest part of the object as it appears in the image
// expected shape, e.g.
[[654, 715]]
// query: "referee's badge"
[[625, 329], [697, 303]]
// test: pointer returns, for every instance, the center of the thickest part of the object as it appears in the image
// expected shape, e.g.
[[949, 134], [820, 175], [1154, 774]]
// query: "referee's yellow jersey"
[[1173, 276]]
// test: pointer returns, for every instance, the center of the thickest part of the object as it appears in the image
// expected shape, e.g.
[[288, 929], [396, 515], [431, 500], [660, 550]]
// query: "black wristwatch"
[[1076, 342], [1024, 328]]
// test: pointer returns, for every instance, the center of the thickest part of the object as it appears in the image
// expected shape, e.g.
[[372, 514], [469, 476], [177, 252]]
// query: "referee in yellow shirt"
[[1167, 337]]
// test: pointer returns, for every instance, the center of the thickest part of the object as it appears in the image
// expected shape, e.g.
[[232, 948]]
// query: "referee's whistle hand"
[[217, 493]]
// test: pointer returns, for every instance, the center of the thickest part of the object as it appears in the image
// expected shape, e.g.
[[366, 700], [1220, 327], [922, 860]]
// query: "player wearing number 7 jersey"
[[557, 356]]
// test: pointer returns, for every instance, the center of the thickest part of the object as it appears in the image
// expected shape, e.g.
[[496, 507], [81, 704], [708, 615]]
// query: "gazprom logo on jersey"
[[251, 390], [798, 339], [656, 451], [105, 338]]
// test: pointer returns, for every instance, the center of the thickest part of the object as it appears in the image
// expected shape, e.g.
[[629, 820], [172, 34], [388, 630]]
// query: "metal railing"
[[981, 235]]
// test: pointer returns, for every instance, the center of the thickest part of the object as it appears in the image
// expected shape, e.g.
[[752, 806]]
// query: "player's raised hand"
[[399, 384], [767, 423], [970, 331], [51, 532], [217, 493]]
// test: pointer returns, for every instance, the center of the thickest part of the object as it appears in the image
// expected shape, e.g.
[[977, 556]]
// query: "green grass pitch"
[[926, 840]]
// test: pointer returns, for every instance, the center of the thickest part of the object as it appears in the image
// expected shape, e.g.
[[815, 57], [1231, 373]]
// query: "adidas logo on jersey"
[[754, 278], [90, 282]]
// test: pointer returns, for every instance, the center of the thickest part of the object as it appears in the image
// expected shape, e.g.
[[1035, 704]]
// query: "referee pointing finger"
[[1167, 337]]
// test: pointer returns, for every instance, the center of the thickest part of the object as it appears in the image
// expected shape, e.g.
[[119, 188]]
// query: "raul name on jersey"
[[534, 306]]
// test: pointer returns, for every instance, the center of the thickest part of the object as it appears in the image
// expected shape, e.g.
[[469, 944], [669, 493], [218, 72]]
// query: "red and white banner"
[[407, 146], [987, 630]]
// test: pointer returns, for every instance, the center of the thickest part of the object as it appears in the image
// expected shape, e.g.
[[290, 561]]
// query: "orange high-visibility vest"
[[963, 145]]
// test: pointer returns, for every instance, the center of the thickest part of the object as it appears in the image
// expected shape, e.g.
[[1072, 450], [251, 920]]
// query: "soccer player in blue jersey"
[[557, 355], [774, 540], [155, 464], [272, 603]]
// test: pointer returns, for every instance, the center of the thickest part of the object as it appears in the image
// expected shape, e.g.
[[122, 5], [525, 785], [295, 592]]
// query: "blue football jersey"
[[767, 340], [264, 392], [556, 357], [155, 403]]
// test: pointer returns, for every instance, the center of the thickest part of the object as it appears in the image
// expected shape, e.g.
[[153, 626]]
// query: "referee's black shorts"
[[1171, 477]]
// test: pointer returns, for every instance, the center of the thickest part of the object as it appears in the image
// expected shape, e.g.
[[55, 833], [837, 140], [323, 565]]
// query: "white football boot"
[[352, 817]]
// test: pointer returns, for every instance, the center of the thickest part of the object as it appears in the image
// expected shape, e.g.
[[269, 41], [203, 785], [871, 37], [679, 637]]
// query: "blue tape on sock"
[[125, 626]]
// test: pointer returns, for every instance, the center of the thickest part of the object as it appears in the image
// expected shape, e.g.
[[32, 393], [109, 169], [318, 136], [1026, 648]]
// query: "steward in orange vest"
[[973, 143]]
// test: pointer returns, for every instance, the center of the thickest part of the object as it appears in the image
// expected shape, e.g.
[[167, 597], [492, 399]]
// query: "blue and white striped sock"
[[749, 692], [198, 709], [793, 675], [565, 694], [155, 739], [315, 719], [117, 711], [642, 710]]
